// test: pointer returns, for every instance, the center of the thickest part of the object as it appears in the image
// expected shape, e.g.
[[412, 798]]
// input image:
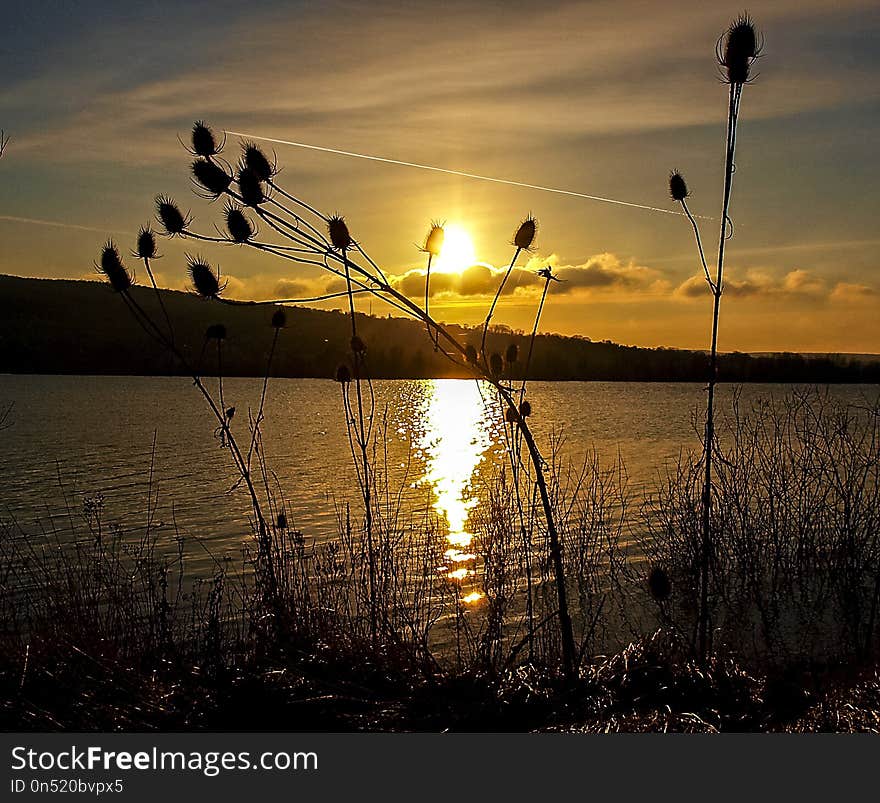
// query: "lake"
[[79, 438]]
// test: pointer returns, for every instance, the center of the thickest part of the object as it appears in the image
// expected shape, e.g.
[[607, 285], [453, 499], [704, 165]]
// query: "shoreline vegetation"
[[105, 630], [68, 327]]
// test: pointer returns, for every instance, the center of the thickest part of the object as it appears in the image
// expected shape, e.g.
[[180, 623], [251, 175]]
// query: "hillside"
[[79, 327]]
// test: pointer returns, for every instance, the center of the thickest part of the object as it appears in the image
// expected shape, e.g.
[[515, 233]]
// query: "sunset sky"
[[602, 98]]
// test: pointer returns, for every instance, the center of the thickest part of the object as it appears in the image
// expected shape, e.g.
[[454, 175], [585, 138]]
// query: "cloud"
[[602, 273], [384, 71], [802, 281], [261, 287], [797, 282], [852, 292]]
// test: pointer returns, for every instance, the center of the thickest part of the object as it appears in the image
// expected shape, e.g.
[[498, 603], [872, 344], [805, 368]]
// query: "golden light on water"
[[454, 439]]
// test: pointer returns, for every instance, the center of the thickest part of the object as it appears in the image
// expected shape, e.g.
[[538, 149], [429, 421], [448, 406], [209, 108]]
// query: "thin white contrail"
[[33, 221], [463, 173]]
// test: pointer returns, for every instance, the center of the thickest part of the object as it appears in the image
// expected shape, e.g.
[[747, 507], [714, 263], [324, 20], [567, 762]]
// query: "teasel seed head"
[[340, 237], [239, 226], [204, 142], [216, 331], [169, 215], [525, 234], [525, 409], [254, 159], [511, 415], [496, 364], [678, 189], [434, 241], [738, 47], [281, 522], [111, 265], [358, 346], [470, 353], [512, 354], [250, 187], [343, 374], [659, 584], [204, 280], [146, 244], [211, 177], [279, 319]]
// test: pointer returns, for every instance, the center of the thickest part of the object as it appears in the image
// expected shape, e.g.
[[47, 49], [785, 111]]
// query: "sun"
[[458, 252]]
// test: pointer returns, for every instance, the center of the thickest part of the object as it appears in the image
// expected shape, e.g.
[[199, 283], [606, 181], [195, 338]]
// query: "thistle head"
[[512, 354], [737, 48], [434, 241], [250, 187], [169, 215], [358, 346], [212, 178], [216, 331], [659, 584], [279, 319], [525, 409], [496, 364], [470, 353], [340, 237], [112, 267], [343, 375], [204, 143], [146, 244], [254, 159], [525, 234], [678, 189], [238, 224], [204, 280]]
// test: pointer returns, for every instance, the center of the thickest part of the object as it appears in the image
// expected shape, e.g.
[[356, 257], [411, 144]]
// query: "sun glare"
[[458, 252]]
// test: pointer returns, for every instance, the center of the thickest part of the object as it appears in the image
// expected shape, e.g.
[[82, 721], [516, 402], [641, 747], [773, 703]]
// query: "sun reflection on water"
[[454, 439]]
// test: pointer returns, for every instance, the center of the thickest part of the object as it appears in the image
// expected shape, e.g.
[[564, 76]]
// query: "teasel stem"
[[517, 447], [323, 218], [149, 269], [696, 228], [358, 358], [427, 296], [495, 301], [522, 391], [258, 420], [150, 327], [709, 438], [220, 374]]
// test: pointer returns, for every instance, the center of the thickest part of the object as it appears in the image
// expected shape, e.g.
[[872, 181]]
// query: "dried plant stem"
[[699, 241], [709, 438], [259, 419], [517, 448], [428, 293], [363, 442], [495, 300], [220, 415], [159, 297]]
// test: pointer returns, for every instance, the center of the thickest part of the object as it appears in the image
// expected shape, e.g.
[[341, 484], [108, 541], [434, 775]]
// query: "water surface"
[[76, 438]]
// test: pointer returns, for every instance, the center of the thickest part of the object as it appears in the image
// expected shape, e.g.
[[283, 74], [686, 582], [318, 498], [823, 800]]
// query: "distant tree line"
[[73, 327]]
